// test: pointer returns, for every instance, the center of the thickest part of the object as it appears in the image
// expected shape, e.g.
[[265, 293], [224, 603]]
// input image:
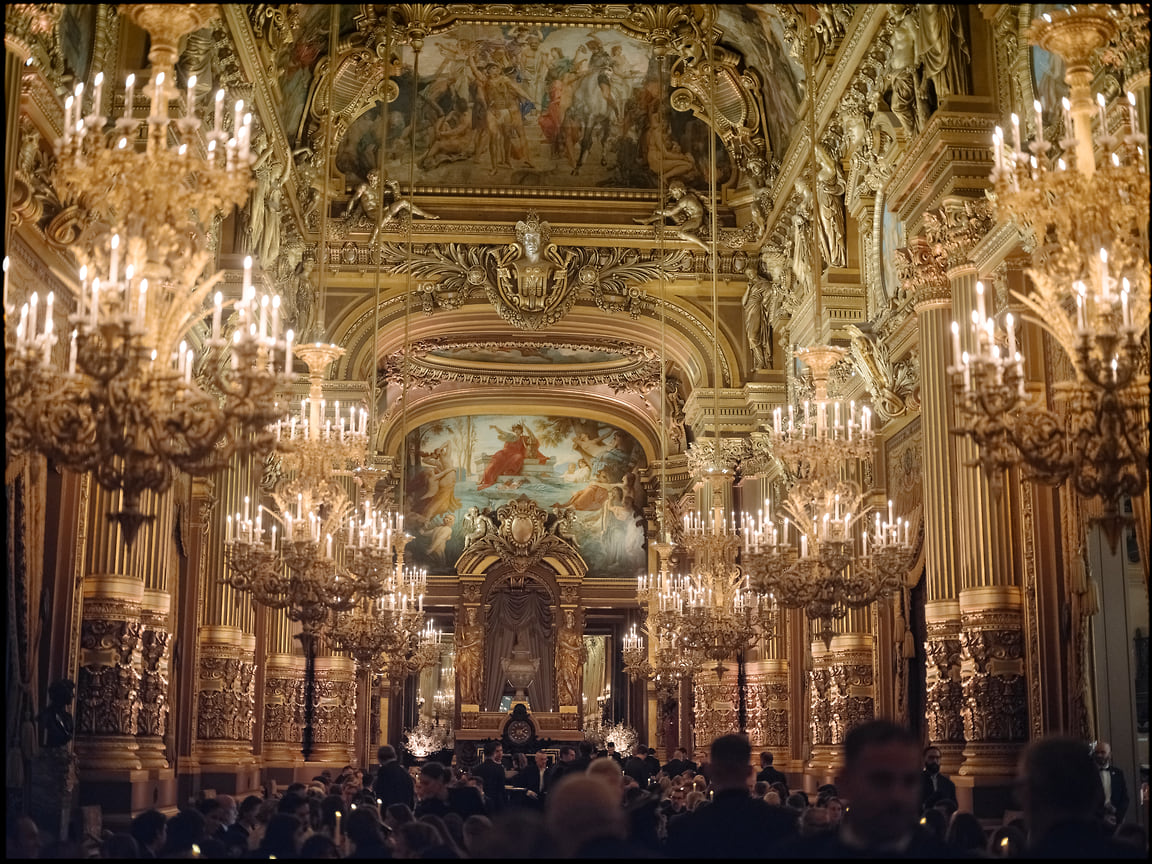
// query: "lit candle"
[[97, 93], [288, 352], [72, 355], [190, 97], [1039, 121], [78, 111], [217, 311], [95, 303], [1132, 111], [998, 148], [238, 118], [980, 300], [1124, 314], [129, 94], [889, 509], [33, 305], [1103, 115], [1080, 305], [188, 367], [275, 319], [114, 268], [336, 834], [1066, 104], [263, 316], [218, 121], [956, 342], [1010, 326], [245, 138], [803, 545], [158, 96], [142, 305], [1016, 133], [68, 118], [1104, 274]]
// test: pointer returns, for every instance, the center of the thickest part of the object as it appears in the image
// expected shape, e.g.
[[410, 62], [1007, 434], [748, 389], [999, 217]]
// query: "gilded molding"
[[992, 675]]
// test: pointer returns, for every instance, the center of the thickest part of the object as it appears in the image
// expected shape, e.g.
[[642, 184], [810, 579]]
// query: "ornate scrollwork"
[[945, 696], [893, 386], [108, 692], [226, 699], [521, 537], [992, 667]]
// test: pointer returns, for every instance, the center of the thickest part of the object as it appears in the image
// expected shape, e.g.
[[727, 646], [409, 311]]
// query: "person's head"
[[412, 838], [781, 789], [284, 836], [541, 759], [1007, 841], [797, 801], [932, 760], [373, 177], [676, 189], [1102, 753], [214, 815], [120, 846], [607, 771], [319, 846], [681, 754], [760, 789], [296, 805], [581, 809], [432, 782], [731, 761], [567, 752], [640, 750], [814, 821], [150, 830], [610, 746], [387, 753], [246, 812], [1057, 781], [965, 833], [397, 815], [772, 797], [694, 799], [476, 827], [766, 759], [835, 808], [230, 811], [363, 828], [494, 750], [184, 829], [679, 798], [935, 823], [348, 791], [881, 780], [586, 749]]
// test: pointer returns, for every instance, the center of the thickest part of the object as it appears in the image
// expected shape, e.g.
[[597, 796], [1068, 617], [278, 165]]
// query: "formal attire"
[[493, 776], [394, 785], [466, 801], [732, 825], [533, 779], [770, 775], [917, 844], [935, 787], [653, 765], [1115, 790], [637, 768]]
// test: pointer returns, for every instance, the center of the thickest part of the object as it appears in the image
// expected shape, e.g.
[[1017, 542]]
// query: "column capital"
[[957, 227], [923, 272]]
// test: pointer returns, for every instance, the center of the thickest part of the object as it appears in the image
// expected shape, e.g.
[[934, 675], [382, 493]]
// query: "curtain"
[[526, 614]]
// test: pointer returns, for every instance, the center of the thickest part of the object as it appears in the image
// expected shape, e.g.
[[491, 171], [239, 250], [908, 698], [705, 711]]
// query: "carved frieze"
[[108, 686], [335, 718], [225, 697], [154, 702], [992, 669], [945, 697]]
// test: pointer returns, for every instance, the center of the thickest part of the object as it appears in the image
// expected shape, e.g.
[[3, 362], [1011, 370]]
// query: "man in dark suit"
[[934, 786], [733, 824], [881, 782], [1112, 779], [566, 764], [768, 774], [393, 784], [491, 772], [679, 763], [534, 778], [1061, 794], [612, 754], [651, 761], [636, 766]]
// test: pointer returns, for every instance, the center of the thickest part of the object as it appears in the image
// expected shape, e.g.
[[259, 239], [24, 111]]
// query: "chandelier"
[[827, 555], [135, 400], [657, 595], [1090, 278]]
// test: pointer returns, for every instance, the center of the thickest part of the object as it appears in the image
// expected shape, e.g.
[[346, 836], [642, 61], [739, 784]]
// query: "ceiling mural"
[[534, 353], [535, 106], [462, 468]]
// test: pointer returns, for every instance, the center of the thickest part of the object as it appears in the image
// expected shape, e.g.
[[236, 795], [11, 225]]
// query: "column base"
[[211, 754], [104, 753], [152, 753]]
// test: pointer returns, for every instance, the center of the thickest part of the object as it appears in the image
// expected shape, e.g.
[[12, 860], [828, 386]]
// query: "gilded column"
[[334, 723], [154, 556], [995, 710], [283, 694], [843, 691], [108, 682], [225, 667], [924, 276]]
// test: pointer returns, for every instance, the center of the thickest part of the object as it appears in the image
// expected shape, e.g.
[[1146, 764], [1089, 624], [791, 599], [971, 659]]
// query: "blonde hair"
[[606, 769], [693, 800]]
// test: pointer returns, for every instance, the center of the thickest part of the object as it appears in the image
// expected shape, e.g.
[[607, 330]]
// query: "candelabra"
[[824, 558], [659, 598], [1090, 278], [127, 406]]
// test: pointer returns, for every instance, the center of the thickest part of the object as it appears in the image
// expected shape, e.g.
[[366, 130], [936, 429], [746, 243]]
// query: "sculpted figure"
[[686, 212], [476, 525], [570, 658], [469, 639], [943, 50], [371, 195], [801, 243], [757, 330], [903, 76], [830, 198]]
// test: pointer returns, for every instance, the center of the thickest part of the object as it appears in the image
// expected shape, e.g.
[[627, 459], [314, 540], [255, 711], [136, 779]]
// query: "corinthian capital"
[[958, 227], [923, 270]]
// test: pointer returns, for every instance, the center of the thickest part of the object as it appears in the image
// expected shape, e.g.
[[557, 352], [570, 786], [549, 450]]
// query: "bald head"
[[583, 808]]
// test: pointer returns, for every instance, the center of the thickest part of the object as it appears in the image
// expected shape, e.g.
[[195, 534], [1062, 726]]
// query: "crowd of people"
[[890, 801]]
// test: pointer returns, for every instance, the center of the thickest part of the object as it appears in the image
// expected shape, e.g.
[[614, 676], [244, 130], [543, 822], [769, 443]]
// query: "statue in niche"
[[686, 211], [757, 329], [943, 50], [469, 644], [903, 74], [56, 724], [830, 199], [570, 657], [801, 242], [370, 197], [266, 204]]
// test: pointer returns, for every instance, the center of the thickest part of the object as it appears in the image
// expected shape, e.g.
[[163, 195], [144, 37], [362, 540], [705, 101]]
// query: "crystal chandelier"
[[136, 401], [1085, 199], [827, 555], [657, 595]]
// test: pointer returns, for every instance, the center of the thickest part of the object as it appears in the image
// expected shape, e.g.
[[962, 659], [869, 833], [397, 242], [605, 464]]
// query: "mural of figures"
[[522, 105], [465, 466]]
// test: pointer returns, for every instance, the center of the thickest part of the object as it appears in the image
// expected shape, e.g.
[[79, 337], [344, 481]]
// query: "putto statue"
[[686, 211], [376, 193]]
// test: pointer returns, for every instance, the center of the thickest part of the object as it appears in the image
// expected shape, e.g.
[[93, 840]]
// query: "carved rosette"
[[283, 708], [995, 708], [152, 719], [945, 696], [225, 696], [334, 724], [108, 683]]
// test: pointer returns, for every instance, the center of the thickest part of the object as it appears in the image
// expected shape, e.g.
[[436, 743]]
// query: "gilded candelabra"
[[1085, 199], [824, 557], [133, 403]]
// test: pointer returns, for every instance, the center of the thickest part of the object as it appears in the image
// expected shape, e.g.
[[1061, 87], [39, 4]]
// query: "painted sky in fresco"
[[484, 461]]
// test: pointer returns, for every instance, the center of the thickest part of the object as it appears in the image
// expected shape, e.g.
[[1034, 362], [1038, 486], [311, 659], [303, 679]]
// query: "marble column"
[[923, 272]]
